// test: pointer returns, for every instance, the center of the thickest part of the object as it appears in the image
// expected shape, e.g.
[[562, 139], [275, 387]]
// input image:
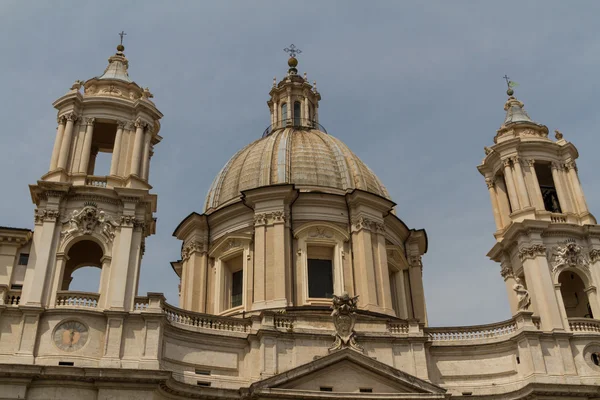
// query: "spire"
[[117, 65]]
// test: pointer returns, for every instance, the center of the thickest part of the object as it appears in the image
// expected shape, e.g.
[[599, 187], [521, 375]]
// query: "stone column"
[[362, 248], [509, 281], [306, 117], [137, 147], [415, 273], [561, 306], [494, 199], [574, 178], [260, 220], [503, 203], [114, 164], [523, 195], [539, 199], [57, 142], [118, 274], [87, 146], [561, 191], [317, 112], [195, 268], [402, 297], [92, 161], [275, 115], [35, 282], [290, 108], [58, 278], [510, 186], [65, 145], [146, 154], [593, 300], [281, 264], [540, 286], [382, 270]]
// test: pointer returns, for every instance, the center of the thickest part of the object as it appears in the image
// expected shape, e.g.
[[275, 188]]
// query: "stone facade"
[[295, 226]]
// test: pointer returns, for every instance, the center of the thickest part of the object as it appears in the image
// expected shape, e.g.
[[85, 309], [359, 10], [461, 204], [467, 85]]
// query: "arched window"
[[284, 114], [297, 113], [574, 297], [82, 270]]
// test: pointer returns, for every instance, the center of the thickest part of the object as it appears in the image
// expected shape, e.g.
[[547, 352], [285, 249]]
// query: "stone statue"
[[77, 85], [523, 299], [344, 318], [108, 225]]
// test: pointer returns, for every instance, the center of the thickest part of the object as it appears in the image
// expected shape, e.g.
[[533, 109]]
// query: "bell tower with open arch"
[[87, 216], [548, 243]]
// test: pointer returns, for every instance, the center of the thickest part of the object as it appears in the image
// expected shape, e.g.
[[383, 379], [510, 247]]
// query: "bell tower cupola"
[[294, 101], [547, 240], [94, 206]]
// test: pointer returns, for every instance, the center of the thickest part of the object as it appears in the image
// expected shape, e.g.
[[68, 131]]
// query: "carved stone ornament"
[[523, 298], [278, 216], [260, 219], [46, 215], [192, 247], [359, 223], [88, 220], [344, 318], [128, 220], [569, 255], [532, 251], [506, 271], [321, 233], [594, 255], [77, 85]]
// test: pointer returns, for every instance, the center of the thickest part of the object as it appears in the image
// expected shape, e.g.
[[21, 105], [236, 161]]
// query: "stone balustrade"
[[66, 298], [476, 332], [586, 325], [141, 303], [12, 298], [188, 318], [398, 328], [558, 218], [97, 181], [286, 323]]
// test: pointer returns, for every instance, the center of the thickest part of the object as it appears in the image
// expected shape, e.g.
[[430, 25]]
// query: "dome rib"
[[306, 158]]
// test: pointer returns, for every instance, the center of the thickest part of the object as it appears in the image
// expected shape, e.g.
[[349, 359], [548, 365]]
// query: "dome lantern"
[[294, 101]]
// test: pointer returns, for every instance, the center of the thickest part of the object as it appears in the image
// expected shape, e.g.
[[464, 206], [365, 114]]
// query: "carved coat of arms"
[[344, 318]]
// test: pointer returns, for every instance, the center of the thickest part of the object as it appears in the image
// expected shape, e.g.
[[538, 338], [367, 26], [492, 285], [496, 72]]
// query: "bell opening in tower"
[[103, 143], [547, 187]]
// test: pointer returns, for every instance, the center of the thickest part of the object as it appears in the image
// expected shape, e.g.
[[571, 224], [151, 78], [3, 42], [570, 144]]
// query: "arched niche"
[[574, 291]]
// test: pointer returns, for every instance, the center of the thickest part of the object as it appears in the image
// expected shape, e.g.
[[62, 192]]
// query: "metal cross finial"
[[122, 34], [507, 79], [292, 50]]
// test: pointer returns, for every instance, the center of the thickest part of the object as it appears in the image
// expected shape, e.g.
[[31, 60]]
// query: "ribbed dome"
[[308, 158]]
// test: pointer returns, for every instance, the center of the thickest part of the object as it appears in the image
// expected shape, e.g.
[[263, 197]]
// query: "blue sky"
[[413, 88]]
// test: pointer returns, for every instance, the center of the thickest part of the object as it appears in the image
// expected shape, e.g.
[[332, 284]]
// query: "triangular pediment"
[[348, 371]]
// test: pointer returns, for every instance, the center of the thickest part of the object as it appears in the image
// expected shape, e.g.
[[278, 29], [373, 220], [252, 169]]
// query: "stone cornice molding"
[[532, 252]]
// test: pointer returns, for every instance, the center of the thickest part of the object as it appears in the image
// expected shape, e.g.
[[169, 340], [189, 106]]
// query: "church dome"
[[309, 158]]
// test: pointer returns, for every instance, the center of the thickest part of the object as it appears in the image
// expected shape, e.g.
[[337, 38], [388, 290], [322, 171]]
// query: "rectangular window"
[[237, 283], [320, 278], [23, 259], [326, 389], [366, 390]]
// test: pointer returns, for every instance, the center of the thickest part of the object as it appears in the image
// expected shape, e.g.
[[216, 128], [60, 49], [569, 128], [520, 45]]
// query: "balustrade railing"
[[472, 332], [193, 319], [141, 303], [294, 123], [398, 328], [66, 298], [558, 218], [98, 181], [12, 298], [282, 322], [584, 325]]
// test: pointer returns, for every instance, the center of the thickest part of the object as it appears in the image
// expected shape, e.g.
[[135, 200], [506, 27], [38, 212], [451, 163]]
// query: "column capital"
[[557, 166], [90, 121], [61, 120], [140, 123], [71, 116], [506, 162], [571, 165], [532, 251], [530, 162], [121, 124], [490, 182]]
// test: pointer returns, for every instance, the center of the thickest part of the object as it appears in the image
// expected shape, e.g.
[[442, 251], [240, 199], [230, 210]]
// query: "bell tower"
[[86, 216], [548, 243]]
